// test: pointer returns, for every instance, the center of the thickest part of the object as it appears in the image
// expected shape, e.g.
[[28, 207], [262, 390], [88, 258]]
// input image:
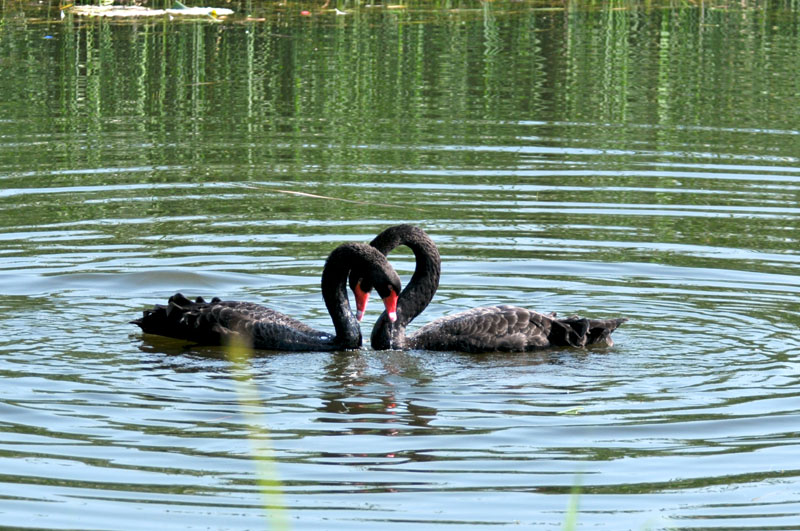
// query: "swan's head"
[[387, 286]]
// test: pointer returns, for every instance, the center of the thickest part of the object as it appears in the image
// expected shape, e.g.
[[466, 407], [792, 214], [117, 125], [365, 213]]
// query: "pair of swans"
[[364, 267]]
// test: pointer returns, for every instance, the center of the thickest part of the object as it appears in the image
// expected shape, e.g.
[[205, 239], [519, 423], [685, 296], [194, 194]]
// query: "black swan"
[[487, 329], [218, 322]]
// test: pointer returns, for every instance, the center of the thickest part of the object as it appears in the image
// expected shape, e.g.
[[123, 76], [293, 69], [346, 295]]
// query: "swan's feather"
[[510, 329], [218, 322]]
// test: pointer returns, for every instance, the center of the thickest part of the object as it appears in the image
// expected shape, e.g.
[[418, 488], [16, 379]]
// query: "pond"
[[616, 161]]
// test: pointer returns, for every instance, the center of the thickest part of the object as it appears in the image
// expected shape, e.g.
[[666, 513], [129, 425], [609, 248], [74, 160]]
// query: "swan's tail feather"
[[577, 332], [180, 318], [569, 332], [600, 331]]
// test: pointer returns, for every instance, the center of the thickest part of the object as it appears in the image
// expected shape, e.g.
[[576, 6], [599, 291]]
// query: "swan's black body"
[[488, 329], [218, 322]]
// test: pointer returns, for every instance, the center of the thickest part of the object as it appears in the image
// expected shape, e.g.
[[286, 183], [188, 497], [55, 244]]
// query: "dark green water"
[[640, 163]]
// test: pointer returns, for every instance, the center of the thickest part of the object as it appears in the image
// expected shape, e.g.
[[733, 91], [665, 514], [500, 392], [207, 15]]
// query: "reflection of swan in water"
[[363, 383], [488, 329], [217, 322]]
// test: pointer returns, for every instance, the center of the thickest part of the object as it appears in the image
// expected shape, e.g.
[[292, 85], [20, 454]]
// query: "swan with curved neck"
[[219, 322], [487, 329]]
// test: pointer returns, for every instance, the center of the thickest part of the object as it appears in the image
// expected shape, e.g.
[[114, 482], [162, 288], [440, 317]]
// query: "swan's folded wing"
[[486, 329], [511, 329], [218, 322]]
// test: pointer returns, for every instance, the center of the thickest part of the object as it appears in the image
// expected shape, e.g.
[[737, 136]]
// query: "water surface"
[[638, 163]]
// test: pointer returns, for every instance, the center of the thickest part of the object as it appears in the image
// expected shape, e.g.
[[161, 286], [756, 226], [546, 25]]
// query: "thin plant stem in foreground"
[[269, 485]]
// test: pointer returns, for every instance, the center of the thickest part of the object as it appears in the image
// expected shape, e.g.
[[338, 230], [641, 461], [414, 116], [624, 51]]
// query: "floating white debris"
[[177, 10], [201, 11]]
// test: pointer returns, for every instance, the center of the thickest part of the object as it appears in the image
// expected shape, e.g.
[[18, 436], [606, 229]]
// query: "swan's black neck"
[[419, 291], [334, 292]]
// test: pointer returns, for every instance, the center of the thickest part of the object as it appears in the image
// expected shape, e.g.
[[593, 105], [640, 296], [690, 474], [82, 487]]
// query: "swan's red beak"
[[390, 301], [362, 298]]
